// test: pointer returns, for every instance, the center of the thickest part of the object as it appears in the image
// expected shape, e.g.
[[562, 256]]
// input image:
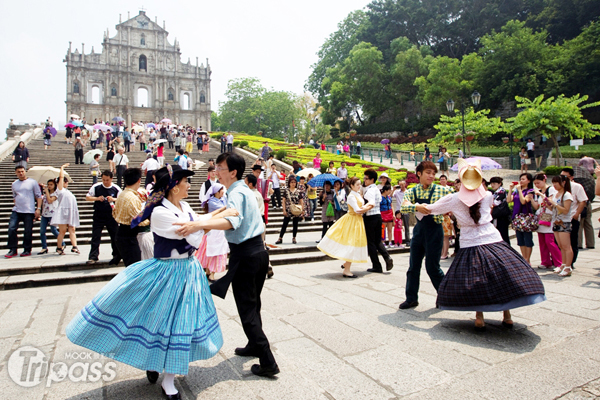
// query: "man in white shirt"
[[274, 177], [580, 202], [230, 142], [121, 164], [148, 168], [342, 172], [372, 219], [182, 161], [212, 179]]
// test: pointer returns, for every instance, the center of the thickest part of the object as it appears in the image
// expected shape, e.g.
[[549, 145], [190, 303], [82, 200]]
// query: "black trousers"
[[120, 171], [149, 177], [286, 221], [79, 156], [171, 144], [128, 245], [100, 222], [326, 226], [276, 197], [374, 243], [502, 225], [223, 147], [127, 146], [229, 147], [427, 241], [142, 146], [247, 284], [405, 223], [575, 239]]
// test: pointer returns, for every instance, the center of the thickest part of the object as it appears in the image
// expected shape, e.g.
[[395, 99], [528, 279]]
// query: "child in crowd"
[[398, 230], [387, 214]]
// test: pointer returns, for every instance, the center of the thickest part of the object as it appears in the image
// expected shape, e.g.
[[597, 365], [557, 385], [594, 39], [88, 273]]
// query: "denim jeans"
[[13, 225], [44, 223], [312, 206]]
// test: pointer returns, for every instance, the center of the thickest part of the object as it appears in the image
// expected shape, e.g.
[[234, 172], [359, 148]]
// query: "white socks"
[[168, 384]]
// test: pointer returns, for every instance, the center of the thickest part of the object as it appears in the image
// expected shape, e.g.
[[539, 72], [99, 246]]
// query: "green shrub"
[[553, 170], [355, 156], [236, 143], [243, 143], [280, 154], [323, 168]]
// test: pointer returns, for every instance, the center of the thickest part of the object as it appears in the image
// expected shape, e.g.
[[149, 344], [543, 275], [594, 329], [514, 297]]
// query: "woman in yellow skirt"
[[347, 239]]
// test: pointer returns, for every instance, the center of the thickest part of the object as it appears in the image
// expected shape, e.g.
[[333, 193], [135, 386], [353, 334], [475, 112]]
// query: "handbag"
[[441, 159], [503, 210], [525, 222], [295, 209], [528, 161]]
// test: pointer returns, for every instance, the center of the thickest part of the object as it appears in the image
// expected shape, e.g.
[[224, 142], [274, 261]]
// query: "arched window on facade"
[[143, 63], [142, 97], [143, 40], [75, 87], [170, 95], [95, 94], [113, 91], [202, 98], [186, 101]]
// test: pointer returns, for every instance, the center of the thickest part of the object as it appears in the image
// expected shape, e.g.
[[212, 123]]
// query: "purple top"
[[519, 208]]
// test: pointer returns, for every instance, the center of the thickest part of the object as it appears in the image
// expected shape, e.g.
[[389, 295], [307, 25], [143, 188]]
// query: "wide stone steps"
[[20, 277]]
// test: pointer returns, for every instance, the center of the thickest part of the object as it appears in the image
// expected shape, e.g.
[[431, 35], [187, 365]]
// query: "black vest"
[[103, 208]]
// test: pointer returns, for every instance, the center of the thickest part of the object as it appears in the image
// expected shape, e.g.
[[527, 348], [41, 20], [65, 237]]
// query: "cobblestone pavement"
[[334, 338]]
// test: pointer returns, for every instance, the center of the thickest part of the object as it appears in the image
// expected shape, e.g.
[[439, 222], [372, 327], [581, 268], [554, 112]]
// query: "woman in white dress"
[[66, 216]]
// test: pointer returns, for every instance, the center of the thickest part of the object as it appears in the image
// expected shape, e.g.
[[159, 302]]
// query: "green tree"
[[477, 124], [336, 48], [410, 64], [553, 117], [215, 121], [515, 63]]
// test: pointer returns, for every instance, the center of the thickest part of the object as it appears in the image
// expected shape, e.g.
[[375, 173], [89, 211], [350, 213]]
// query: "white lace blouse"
[[471, 234]]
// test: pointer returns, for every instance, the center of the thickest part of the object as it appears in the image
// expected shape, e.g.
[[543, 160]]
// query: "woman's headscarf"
[[211, 192]]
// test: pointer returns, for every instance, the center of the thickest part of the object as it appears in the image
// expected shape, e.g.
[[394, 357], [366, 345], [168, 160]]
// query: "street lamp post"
[[475, 98]]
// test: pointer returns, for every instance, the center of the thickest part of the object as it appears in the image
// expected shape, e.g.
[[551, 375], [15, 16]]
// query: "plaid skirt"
[[490, 277]]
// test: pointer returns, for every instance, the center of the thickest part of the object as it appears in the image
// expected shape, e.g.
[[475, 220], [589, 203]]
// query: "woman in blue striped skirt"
[[157, 315]]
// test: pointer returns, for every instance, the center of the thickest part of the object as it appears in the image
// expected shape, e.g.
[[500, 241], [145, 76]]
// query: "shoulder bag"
[[295, 209]]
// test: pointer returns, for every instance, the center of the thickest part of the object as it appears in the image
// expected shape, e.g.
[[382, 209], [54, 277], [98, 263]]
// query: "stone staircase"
[[15, 276]]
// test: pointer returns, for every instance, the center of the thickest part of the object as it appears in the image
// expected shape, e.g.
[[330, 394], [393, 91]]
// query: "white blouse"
[[353, 199], [163, 218], [471, 234]]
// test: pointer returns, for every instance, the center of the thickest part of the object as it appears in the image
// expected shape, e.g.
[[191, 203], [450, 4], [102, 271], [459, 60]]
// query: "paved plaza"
[[337, 338]]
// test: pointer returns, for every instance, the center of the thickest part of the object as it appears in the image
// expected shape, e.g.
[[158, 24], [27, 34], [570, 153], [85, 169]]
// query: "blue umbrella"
[[319, 180], [77, 123], [150, 125], [118, 119]]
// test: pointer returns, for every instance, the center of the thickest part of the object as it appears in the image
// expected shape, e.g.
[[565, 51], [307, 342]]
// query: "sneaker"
[[312, 220], [25, 254], [545, 267], [11, 254], [91, 261], [401, 246]]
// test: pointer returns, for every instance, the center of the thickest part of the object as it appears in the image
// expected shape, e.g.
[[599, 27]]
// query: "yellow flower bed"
[[356, 167]]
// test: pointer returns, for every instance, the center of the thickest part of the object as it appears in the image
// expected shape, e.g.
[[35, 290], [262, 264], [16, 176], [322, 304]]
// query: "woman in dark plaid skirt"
[[486, 274]]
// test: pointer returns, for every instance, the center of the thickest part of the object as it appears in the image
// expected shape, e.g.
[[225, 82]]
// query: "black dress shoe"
[[408, 304], [269, 372], [349, 276], [152, 376], [379, 271], [270, 273], [114, 262], [175, 396], [246, 352], [389, 264]]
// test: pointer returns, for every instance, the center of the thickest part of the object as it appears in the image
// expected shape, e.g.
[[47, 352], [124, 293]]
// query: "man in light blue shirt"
[[248, 259], [26, 193]]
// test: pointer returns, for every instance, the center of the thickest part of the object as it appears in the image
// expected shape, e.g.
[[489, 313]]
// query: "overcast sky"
[[275, 41]]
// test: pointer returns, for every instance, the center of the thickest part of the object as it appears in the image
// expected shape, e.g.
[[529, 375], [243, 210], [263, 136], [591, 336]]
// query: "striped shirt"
[[418, 192], [127, 207], [373, 195]]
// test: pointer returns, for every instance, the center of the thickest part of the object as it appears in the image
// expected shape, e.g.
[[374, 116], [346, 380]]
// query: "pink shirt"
[[317, 162], [159, 152]]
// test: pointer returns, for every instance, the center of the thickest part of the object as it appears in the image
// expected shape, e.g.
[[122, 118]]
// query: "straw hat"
[[471, 188]]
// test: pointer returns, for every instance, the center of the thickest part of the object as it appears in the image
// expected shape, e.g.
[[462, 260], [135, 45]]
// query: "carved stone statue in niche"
[[124, 58]]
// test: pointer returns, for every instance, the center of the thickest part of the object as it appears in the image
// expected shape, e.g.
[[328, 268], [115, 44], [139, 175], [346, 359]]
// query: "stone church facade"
[[138, 76]]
